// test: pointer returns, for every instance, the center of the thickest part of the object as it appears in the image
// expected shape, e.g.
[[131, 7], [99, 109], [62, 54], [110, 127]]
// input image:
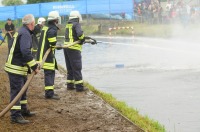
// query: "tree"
[[12, 2], [38, 1]]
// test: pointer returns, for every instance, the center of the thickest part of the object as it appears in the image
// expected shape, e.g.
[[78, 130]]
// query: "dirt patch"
[[74, 112]]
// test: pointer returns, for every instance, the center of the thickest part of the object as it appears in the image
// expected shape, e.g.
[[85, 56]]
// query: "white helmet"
[[41, 20], [53, 15], [75, 14]]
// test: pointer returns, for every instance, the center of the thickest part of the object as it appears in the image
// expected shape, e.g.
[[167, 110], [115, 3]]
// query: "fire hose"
[[25, 87]]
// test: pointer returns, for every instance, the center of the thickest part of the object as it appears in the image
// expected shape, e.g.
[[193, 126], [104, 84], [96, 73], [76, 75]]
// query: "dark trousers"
[[16, 83], [8, 37], [73, 61], [49, 82]]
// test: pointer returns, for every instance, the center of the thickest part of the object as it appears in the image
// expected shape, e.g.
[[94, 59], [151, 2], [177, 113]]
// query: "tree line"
[[20, 2]]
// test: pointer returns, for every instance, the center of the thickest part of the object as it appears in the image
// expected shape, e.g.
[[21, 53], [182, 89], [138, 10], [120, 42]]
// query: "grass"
[[141, 29], [144, 122]]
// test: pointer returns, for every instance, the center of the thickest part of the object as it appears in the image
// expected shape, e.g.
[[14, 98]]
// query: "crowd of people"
[[154, 12]]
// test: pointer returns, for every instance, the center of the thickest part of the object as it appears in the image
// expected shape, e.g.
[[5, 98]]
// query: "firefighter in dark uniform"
[[10, 29], [48, 40], [36, 35], [18, 63], [73, 53]]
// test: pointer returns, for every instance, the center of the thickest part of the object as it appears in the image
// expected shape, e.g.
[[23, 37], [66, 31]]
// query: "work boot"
[[55, 96], [81, 89], [70, 88], [19, 120], [27, 113]]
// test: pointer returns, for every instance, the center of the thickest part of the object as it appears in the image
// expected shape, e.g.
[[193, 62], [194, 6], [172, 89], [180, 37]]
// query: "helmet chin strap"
[[56, 22]]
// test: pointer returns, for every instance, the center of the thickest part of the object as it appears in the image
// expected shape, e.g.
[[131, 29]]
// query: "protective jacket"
[[20, 58], [48, 40], [10, 28], [36, 36], [74, 33]]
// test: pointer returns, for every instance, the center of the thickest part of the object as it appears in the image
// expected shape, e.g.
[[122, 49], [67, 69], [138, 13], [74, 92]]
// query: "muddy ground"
[[74, 112]]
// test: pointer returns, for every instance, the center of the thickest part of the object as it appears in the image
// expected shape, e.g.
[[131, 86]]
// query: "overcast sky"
[[2, 5]]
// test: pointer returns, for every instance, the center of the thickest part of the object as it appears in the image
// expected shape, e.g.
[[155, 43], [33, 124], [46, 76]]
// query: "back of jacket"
[[48, 40], [74, 33]]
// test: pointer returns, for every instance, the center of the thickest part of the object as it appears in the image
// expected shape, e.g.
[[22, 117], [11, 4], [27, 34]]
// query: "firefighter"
[[18, 64], [73, 53], [48, 40], [10, 29], [36, 35]]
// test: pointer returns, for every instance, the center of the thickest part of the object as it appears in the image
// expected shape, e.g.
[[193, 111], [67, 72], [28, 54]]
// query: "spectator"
[[10, 29]]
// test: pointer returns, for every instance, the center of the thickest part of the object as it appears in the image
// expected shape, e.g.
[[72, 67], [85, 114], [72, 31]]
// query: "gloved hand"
[[82, 41], [90, 40], [93, 41], [37, 70], [52, 47], [38, 66], [59, 46]]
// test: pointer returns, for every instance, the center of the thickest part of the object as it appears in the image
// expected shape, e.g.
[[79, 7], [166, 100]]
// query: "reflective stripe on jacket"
[[73, 33], [20, 57]]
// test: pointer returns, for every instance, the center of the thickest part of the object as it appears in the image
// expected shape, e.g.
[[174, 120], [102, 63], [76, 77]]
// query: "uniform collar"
[[73, 20], [31, 32], [52, 25]]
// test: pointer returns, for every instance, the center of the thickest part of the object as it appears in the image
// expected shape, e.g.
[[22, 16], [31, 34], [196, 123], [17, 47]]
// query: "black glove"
[[86, 37], [82, 41], [93, 41], [59, 46], [52, 47], [35, 67]]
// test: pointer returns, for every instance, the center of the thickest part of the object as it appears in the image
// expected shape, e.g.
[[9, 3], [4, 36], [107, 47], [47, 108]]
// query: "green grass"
[[132, 114]]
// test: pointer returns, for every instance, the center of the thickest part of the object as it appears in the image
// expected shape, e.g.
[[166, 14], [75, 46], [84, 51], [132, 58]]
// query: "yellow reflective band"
[[23, 102], [34, 50], [52, 39], [78, 82], [49, 87], [71, 38], [45, 28], [39, 62], [15, 71], [82, 36], [50, 66], [70, 81], [76, 46], [15, 35], [43, 42], [69, 27], [16, 108], [10, 56], [52, 46], [31, 63], [16, 67]]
